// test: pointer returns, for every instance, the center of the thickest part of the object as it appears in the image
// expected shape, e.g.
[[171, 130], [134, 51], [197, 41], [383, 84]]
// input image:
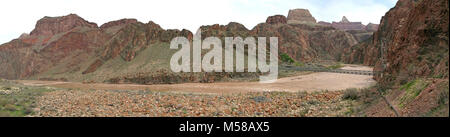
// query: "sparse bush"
[[350, 94], [444, 96], [6, 88], [10, 107], [286, 58], [313, 102], [412, 90], [4, 114], [20, 103], [336, 66], [299, 64], [383, 87]]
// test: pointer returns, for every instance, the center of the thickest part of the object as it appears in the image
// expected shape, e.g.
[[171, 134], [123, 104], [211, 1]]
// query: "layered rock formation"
[[372, 27], [53, 40], [361, 33], [54, 25], [299, 16], [72, 48], [276, 19], [302, 42], [410, 52], [345, 25], [120, 22], [344, 20], [415, 43]]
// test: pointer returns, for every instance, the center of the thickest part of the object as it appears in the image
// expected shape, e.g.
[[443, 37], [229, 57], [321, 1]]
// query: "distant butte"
[[345, 24], [300, 16]]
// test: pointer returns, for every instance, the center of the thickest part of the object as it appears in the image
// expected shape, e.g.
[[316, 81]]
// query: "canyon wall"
[[71, 48], [410, 52]]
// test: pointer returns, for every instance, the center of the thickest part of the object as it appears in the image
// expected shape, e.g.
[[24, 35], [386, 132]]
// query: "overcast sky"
[[20, 16]]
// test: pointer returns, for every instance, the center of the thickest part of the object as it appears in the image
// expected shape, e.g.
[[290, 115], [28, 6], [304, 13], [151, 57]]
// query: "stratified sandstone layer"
[[345, 25], [276, 19], [120, 22], [128, 51], [55, 25], [372, 27], [415, 43], [298, 16], [410, 52]]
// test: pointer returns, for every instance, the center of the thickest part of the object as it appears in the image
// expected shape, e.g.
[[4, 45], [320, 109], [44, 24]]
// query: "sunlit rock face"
[[298, 16], [276, 19], [345, 25], [55, 25]]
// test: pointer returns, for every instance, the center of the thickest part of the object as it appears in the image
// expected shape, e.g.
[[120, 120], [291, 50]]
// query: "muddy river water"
[[311, 82]]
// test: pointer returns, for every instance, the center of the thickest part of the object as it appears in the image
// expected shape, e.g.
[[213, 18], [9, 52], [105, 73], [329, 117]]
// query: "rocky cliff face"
[[372, 27], [302, 42], [297, 16], [410, 52], [396, 33], [55, 25], [276, 19], [133, 38], [53, 40], [121, 22], [415, 37], [72, 48], [345, 25]]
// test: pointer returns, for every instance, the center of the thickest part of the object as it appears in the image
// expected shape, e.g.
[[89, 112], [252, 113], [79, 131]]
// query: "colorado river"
[[311, 82]]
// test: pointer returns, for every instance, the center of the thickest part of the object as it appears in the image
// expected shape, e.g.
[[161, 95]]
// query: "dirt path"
[[311, 82]]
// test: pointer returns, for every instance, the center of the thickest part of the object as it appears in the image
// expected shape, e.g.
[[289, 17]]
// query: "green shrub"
[[336, 66], [350, 94], [286, 58], [299, 64], [412, 90], [20, 103]]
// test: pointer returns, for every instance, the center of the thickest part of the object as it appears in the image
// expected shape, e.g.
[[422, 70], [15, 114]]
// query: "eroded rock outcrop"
[[372, 27], [297, 16], [345, 25], [415, 43], [118, 23], [55, 25], [302, 42], [276, 19], [71, 48], [410, 54]]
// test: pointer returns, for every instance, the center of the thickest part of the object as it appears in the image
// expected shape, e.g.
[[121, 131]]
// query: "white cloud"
[[20, 16]]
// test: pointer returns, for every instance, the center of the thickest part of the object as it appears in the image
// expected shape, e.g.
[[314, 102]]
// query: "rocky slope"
[[53, 39], [126, 50], [418, 45]]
